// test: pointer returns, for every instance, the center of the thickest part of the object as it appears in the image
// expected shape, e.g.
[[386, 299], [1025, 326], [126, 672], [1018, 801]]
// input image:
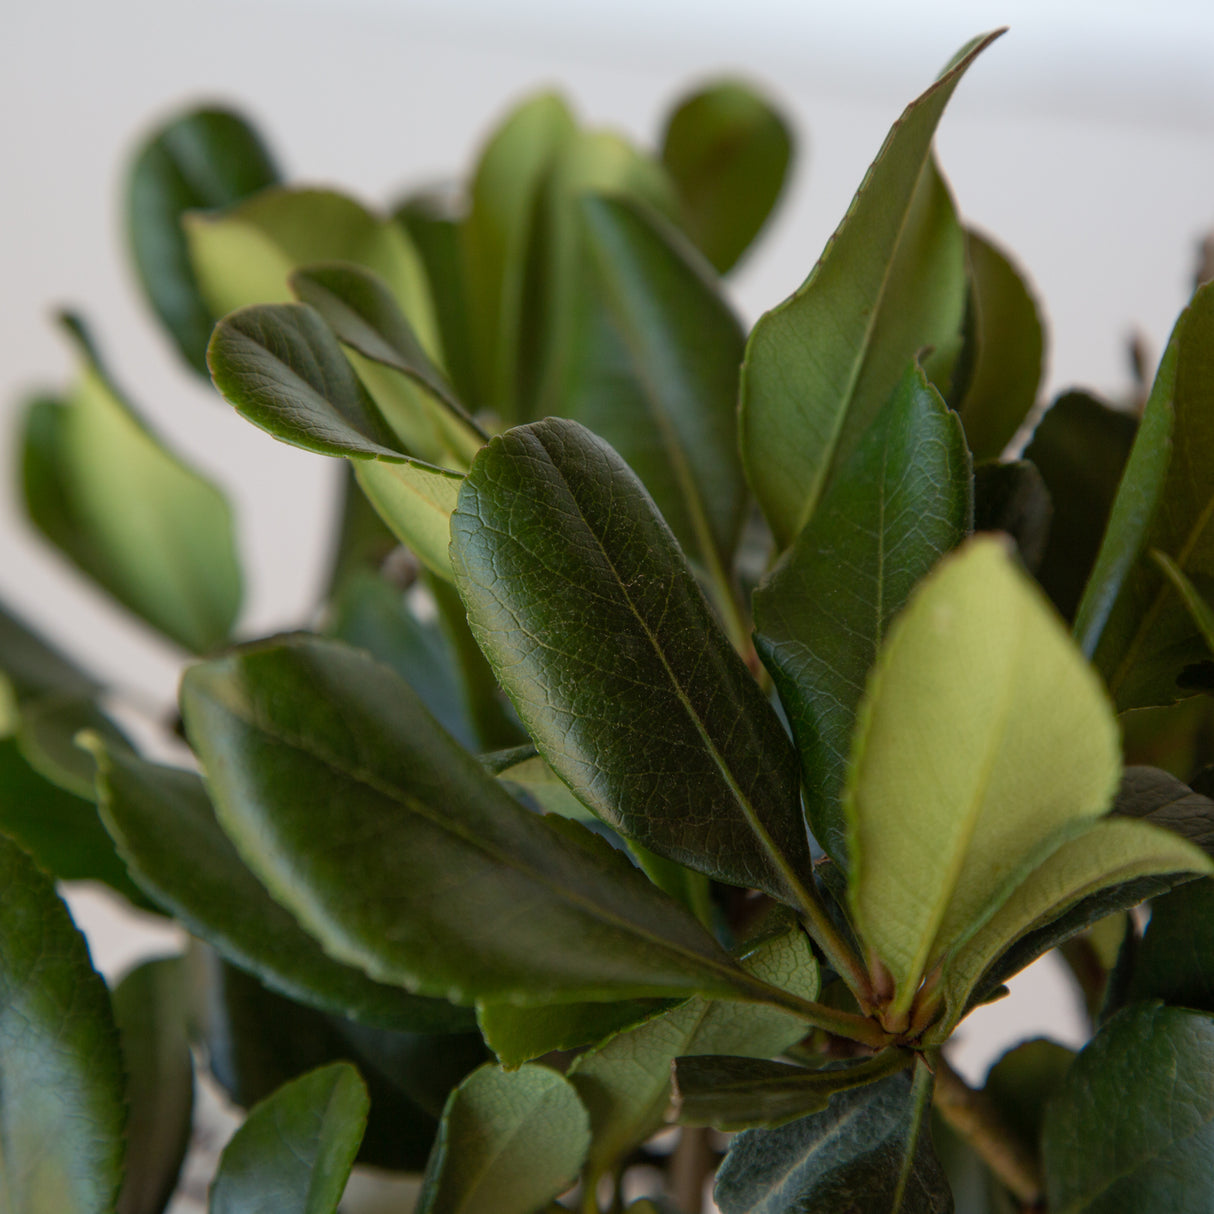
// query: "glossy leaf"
[[901, 502], [1106, 1154], [869, 1151], [510, 1141], [625, 1083], [728, 151], [1013, 498], [983, 739], [1149, 638], [1108, 854], [1080, 448], [292, 733], [61, 1103], [129, 514], [1007, 355], [150, 1008], [733, 1093], [165, 828], [1175, 961], [890, 282], [656, 375], [579, 596], [199, 160], [295, 1149]]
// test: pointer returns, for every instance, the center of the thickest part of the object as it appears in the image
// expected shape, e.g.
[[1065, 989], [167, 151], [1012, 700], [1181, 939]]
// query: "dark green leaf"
[[60, 830], [1161, 799], [727, 151], [150, 1008], [1013, 498], [870, 1152], [33, 667], [510, 1142], [1023, 1082], [655, 374], [202, 159], [740, 1093], [295, 1150], [1138, 630], [1198, 607], [890, 282], [164, 826], [1132, 1128], [61, 1102], [1007, 353], [581, 599], [901, 502], [129, 514], [306, 742], [1175, 961], [47, 737], [1080, 448]]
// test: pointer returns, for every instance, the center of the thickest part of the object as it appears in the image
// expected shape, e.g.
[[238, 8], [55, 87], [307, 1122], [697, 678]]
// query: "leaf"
[[304, 742], [1160, 798], [163, 824], [1013, 498], [365, 316], [150, 1008], [1108, 854], [47, 738], [870, 1152], [901, 502], [295, 1150], [1199, 609], [1022, 1083], [1149, 639], [199, 160], [656, 374], [1175, 961], [1008, 354], [283, 369], [510, 1141], [61, 1103], [1080, 448], [59, 829], [742, 1093], [983, 738], [580, 598], [727, 151], [890, 282], [1104, 1153], [129, 514], [34, 667], [625, 1082]]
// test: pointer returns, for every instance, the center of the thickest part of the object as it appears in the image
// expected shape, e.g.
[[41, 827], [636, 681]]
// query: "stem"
[[689, 1168], [975, 1118], [834, 948], [829, 1019]]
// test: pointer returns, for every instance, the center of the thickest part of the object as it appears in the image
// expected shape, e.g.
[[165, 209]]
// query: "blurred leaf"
[[34, 667], [1080, 448], [1132, 1127], [295, 1150], [635, 697], [890, 282], [1007, 350], [61, 1103], [1175, 960], [900, 503], [198, 160], [363, 542], [1022, 1083], [510, 1141], [1013, 498], [727, 151], [150, 1008], [1200, 612], [129, 514], [522, 769], [47, 738]]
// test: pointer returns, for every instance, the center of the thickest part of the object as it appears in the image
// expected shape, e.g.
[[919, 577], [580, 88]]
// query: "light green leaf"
[[727, 150], [163, 824], [890, 282], [198, 160], [150, 1008], [522, 768], [984, 738], [129, 514], [295, 1149], [61, 1103], [510, 1142], [900, 503], [295, 732], [416, 500], [578, 594], [1006, 355]]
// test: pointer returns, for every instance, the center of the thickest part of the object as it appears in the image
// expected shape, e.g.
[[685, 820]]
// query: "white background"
[[1082, 140]]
